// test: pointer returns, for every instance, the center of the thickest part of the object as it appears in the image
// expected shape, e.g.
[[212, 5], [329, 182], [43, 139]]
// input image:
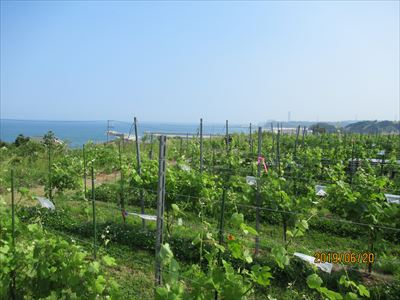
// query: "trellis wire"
[[279, 211]]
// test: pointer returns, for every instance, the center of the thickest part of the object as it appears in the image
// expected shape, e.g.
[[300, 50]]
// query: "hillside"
[[370, 127]]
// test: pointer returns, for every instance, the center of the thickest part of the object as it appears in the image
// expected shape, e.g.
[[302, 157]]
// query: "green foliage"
[[21, 140], [323, 128], [315, 282], [46, 266], [173, 288], [66, 173], [49, 138], [219, 275], [107, 192], [359, 288]]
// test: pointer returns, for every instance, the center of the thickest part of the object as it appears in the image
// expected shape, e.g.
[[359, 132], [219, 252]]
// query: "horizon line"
[[222, 122]]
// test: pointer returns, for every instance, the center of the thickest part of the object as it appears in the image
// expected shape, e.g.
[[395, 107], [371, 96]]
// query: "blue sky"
[[179, 61]]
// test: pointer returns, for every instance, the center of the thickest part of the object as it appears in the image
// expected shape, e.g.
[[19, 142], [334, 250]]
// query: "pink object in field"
[[262, 159]]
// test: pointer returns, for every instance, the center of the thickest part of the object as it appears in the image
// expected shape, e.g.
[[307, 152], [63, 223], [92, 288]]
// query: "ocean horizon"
[[77, 133]]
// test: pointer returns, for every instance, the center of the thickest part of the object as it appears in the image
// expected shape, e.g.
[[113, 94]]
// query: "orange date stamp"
[[344, 257]]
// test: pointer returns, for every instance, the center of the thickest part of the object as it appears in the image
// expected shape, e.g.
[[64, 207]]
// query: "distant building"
[[39, 139], [290, 130], [121, 135]]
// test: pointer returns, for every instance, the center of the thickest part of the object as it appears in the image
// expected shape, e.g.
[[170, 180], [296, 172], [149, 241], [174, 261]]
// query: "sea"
[[77, 133]]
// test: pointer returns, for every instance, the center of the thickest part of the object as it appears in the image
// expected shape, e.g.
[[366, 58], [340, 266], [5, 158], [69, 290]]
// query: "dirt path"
[[106, 178]]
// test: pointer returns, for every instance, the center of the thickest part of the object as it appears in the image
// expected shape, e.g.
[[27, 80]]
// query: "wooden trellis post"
[[151, 147], [251, 150], [227, 136], [13, 285], [297, 139], [139, 169], [273, 144], [49, 163], [84, 169], [302, 139], [121, 192], [201, 145], [94, 217], [257, 239], [160, 206]]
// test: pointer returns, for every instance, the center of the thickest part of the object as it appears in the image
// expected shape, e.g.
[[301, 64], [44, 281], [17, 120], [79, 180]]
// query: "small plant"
[[219, 276]]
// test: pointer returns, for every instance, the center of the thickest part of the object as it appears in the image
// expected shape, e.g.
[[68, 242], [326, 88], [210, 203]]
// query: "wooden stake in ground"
[[160, 207], [139, 169], [257, 239], [49, 162], [251, 150], [227, 136], [12, 283], [121, 180], [94, 217], [201, 145], [84, 169]]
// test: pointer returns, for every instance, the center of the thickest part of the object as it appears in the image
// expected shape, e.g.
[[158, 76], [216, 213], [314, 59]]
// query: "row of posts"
[[160, 192], [161, 184]]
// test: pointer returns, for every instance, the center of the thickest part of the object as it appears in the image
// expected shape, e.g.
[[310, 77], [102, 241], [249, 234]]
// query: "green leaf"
[[136, 178], [261, 275], [100, 284], [175, 208], [237, 219], [314, 281], [23, 191], [161, 293], [220, 247], [351, 296], [330, 294], [174, 270], [4, 249], [363, 290], [248, 229], [304, 224], [280, 255], [94, 267], [196, 240], [110, 261], [235, 249], [33, 227], [247, 256], [165, 253]]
